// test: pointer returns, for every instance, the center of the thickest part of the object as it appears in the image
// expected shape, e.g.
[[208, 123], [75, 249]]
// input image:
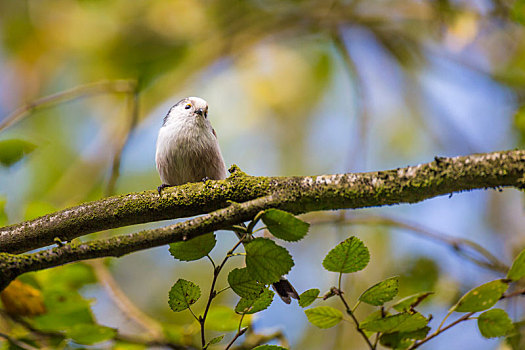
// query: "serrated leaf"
[[411, 301], [269, 347], [11, 151], [494, 323], [402, 340], [244, 284], [89, 334], [223, 319], [482, 297], [351, 255], [284, 225], [324, 316], [374, 316], [266, 261], [193, 249], [403, 322], [215, 340], [517, 270], [251, 306], [308, 297], [381, 292], [183, 294]]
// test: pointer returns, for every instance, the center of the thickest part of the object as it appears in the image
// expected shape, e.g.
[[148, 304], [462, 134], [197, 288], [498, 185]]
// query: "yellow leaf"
[[22, 300]]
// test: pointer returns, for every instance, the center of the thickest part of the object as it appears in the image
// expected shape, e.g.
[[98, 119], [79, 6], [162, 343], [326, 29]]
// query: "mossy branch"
[[295, 194], [403, 185], [13, 265]]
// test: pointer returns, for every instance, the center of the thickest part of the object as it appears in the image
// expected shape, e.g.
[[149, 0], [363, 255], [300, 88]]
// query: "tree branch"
[[12, 265], [403, 185]]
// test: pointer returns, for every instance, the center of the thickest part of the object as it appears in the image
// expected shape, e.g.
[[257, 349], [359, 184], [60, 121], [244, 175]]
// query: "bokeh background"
[[294, 88]]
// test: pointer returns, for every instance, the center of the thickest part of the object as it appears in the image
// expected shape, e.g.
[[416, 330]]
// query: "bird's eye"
[[188, 106]]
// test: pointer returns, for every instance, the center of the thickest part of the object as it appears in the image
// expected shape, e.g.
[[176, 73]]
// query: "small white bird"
[[187, 146], [188, 151]]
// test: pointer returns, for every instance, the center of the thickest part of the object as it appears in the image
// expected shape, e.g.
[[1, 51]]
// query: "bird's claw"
[[161, 187]]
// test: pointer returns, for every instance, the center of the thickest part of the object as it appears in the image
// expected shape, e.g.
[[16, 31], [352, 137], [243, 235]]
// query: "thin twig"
[[115, 86], [121, 300], [149, 342], [465, 317], [361, 142], [133, 111], [213, 293], [459, 320], [460, 245], [253, 340], [17, 342], [237, 335], [339, 293]]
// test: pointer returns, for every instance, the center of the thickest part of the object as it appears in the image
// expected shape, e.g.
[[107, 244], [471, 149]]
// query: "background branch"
[[102, 87], [470, 250]]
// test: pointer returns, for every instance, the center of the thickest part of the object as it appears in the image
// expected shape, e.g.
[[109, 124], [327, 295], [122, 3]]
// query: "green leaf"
[[284, 225], [376, 315], [11, 151], [88, 334], [266, 261], [193, 249], [324, 316], [243, 284], [223, 319], [3, 215], [482, 297], [494, 323], [517, 270], [215, 340], [308, 297], [402, 340], [403, 322], [183, 294], [411, 301], [350, 255], [381, 292], [269, 347], [65, 309], [251, 306]]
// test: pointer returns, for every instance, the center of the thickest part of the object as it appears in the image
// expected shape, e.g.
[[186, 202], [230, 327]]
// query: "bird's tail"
[[285, 290]]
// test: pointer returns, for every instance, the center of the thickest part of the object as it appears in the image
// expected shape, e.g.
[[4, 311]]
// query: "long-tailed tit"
[[188, 151]]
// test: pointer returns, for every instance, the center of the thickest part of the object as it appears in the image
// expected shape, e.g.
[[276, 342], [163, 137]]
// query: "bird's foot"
[[161, 187]]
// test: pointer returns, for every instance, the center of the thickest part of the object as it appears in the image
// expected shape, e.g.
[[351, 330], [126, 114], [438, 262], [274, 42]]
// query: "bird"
[[188, 151]]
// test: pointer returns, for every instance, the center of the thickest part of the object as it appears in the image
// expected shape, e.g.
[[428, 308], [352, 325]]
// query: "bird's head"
[[189, 107]]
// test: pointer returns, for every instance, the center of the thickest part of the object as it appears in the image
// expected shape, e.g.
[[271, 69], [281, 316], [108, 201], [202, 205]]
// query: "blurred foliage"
[[273, 68], [11, 151]]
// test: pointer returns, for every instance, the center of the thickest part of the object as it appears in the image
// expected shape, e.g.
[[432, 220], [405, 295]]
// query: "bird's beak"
[[200, 112]]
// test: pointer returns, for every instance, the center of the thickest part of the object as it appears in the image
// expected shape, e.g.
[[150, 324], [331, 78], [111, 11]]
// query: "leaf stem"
[[445, 318], [356, 305], [252, 223], [211, 260]]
